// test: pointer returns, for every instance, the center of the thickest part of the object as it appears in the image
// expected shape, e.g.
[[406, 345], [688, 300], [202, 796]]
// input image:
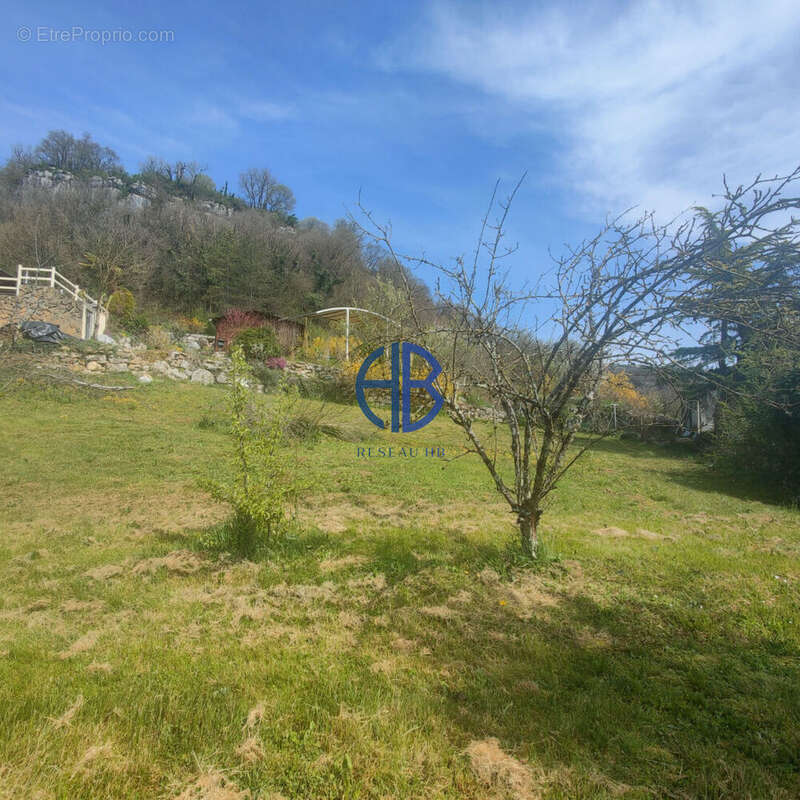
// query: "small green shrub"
[[258, 482], [268, 377], [122, 304], [340, 389], [136, 325], [212, 419], [310, 421], [258, 344]]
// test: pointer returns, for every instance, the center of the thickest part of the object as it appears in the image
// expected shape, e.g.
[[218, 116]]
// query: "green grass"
[[391, 629]]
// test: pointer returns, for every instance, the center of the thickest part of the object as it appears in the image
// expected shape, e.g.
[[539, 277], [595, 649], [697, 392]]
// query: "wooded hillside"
[[170, 237]]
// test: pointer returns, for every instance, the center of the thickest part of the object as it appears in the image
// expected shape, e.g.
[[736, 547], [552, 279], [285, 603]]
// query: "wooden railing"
[[48, 277]]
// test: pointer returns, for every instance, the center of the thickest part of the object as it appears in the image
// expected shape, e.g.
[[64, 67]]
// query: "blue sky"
[[423, 106]]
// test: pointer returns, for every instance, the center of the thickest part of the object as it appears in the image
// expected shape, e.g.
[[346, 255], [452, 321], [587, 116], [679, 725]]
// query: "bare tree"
[[62, 150], [540, 352], [255, 184], [56, 149], [262, 190], [112, 254], [153, 166]]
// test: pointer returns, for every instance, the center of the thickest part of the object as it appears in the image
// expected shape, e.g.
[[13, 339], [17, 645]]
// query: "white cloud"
[[651, 102], [264, 110], [211, 115]]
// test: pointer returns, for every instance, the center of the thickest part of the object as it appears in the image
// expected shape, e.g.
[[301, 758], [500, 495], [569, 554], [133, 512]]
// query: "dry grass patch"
[[438, 612], [384, 666], [526, 596], [330, 514], [488, 576], [65, 720], [81, 645], [213, 785], [88, 762], [105, 572], [72, 606], [334, 564], [183, 507], [250, 751], [504, 774], [350, 620], [304, 592], [611, 532], [255, 715], [366, 588], [333, 515], [249, 608], [179, 562], [645, 534]]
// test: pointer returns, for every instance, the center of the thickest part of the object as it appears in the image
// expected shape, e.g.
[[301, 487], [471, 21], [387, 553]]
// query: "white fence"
[[49, 277]]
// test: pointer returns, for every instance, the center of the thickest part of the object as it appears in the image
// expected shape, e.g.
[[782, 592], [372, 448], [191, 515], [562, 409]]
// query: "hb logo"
[[400, 387]]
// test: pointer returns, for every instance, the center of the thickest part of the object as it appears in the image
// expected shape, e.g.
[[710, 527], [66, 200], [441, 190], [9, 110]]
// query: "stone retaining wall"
[[198, 365], [37, 302]]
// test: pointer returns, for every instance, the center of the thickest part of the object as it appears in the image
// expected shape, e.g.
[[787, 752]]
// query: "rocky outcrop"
[[136, 196]]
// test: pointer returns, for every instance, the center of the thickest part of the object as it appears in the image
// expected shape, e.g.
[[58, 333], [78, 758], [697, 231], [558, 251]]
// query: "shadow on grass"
[[176, 537], [707, 480], [300, 543], [629, 694], [401, 552], [633, 448], [695, 474], [295, 544]]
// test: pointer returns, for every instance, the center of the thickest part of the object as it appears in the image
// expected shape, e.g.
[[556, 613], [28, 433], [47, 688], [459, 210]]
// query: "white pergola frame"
[[344, 312]]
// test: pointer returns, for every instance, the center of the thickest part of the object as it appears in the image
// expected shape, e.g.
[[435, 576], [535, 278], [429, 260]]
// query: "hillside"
[[177, 242]]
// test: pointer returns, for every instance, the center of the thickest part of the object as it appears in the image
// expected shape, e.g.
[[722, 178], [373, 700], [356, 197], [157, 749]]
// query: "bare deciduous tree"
[[62, 150], [540, 353], [255, 184], [262, 190]]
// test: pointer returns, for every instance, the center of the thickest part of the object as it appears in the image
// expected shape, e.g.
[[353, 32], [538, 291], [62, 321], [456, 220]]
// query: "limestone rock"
[[202, 376]]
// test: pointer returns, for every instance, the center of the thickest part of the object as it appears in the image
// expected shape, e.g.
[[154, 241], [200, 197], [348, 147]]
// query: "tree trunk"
[[529, 537]]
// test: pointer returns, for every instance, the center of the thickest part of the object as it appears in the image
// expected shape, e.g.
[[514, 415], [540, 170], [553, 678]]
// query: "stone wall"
[[43, 304], [195, 362]]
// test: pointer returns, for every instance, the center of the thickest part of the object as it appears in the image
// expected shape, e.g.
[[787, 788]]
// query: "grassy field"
[[390, 647]]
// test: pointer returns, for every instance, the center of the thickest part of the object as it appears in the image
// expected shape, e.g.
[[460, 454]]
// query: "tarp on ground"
[[42, 332]]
